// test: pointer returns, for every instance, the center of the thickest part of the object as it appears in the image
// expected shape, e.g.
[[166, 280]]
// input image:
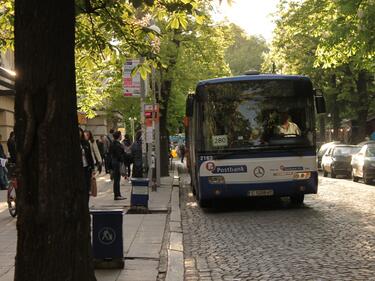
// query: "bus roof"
[[253, 78]]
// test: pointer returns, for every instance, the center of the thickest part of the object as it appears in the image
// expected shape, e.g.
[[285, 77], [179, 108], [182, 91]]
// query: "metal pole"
[[157, 139], [150, 143], [143, 126]]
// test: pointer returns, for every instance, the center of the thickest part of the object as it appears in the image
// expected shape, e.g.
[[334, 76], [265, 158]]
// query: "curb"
[[175, 269]]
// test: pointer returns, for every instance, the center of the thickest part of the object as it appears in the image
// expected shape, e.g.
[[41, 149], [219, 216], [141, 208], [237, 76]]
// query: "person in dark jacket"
[[108, 139], [87, 162], [127, 143], [117, 154], [136, 150], [12, 147]]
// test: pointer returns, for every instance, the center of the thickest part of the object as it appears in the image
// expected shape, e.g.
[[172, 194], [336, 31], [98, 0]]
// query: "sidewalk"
[[144, 234]]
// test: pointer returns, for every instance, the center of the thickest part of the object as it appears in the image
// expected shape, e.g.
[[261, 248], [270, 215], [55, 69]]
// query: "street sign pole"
[[143, 96], [157, 138]]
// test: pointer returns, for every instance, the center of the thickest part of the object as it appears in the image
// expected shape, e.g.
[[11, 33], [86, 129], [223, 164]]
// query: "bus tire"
[[205, 203], [297, 200]]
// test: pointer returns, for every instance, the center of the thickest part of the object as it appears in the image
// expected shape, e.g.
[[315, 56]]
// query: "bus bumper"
[[277, 189]]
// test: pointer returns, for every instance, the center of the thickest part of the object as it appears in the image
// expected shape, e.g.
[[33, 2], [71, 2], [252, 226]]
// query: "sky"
[[254, 16]]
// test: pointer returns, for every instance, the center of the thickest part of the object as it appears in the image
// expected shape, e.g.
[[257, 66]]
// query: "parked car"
[[322, 150], [366, 142], [337, 160], [363, 164]]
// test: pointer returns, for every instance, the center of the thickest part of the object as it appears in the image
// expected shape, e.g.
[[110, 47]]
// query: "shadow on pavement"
[[252, 204]]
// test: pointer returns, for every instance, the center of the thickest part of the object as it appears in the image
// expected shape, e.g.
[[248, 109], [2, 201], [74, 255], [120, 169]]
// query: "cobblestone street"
[[332, 237]]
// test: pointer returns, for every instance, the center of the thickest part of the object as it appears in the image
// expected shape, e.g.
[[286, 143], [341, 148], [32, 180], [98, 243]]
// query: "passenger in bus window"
[[286, 126]]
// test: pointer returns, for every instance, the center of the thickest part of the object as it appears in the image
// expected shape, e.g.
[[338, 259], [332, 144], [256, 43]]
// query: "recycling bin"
[[139, 194], [107, 241]]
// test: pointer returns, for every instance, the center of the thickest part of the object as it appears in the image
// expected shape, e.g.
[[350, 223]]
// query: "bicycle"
[[11, 194]]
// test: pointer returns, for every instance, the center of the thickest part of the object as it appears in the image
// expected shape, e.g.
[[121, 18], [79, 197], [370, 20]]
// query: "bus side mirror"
[[320, 102], [189, 105]]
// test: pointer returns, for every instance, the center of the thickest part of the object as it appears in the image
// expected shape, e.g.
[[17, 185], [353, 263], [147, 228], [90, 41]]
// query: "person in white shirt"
[[287, 127]]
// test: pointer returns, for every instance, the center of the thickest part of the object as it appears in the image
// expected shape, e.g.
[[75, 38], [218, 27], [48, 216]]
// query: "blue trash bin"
[[107, 238], [139, 195]]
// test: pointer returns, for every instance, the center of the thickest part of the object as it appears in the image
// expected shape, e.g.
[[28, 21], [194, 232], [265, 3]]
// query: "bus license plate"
[[263, 192]]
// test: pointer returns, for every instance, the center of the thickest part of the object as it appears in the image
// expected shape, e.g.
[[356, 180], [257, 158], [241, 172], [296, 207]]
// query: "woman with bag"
[[87, 163]]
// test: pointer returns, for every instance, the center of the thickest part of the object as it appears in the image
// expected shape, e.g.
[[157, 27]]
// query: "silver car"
[[363, 164], [337, 160]]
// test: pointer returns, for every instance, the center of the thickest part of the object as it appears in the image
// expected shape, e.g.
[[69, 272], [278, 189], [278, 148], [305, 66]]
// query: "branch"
[[133, 43], [88, 8], [96, 36]]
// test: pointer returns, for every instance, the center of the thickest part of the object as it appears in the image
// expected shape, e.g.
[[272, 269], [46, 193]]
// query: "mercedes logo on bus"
[[210, 166], [259, 171]]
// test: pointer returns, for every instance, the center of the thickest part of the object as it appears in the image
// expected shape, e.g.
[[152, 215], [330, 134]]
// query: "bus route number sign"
[[220, 140]]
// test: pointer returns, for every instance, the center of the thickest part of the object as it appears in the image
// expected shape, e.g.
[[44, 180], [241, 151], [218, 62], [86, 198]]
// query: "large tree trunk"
[[359, 128], [164, 133], [335, 109], [166, 88], [53, 223]]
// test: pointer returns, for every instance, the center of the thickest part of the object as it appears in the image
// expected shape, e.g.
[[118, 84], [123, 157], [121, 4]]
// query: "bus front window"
[[252, 114]]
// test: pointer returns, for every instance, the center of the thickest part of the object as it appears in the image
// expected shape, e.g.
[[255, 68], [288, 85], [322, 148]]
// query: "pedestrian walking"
[[87, 162], [136, 150], [108, 139], [117, 155], [3, 171], [11, 143], [127, 143], [100, 144], [182, 150], [94, 150]]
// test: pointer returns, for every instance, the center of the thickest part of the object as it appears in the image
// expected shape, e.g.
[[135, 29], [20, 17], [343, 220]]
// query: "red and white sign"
[[131, 84]]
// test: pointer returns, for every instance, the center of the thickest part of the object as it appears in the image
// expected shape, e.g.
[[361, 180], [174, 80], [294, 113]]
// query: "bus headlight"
[[216, 180], [302, 175]]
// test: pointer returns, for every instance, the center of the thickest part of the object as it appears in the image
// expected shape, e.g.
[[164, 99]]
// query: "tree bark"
[[164, 132], [335, 109], [53, 220], [322, 128], [166, 88]]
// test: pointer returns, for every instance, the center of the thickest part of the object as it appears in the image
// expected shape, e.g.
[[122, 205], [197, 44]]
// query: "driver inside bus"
[[286, 126]]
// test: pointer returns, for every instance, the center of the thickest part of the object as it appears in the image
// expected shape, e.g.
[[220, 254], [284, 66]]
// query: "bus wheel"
[[205, 203], [297, 200], [202, 203]]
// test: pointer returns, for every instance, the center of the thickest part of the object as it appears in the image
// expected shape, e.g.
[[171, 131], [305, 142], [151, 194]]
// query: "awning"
[[7, 78]]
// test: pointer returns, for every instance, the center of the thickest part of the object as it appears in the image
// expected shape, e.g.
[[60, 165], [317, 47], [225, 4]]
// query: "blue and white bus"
[[253, 135]]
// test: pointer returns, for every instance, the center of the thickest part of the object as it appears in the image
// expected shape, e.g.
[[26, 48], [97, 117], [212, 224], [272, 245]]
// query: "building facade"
[[7, 77]]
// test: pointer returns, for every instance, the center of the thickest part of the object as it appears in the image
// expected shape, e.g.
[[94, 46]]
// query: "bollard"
[[107, 241], [139, 195]]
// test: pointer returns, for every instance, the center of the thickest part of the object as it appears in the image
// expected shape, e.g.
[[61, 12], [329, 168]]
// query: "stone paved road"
[[331, 238]]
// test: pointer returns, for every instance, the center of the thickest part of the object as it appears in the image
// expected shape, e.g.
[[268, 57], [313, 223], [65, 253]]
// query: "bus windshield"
[[254, 114]]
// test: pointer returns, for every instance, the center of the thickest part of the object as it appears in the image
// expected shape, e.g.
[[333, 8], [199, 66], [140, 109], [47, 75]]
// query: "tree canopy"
[[333, 43], [245, 52]]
